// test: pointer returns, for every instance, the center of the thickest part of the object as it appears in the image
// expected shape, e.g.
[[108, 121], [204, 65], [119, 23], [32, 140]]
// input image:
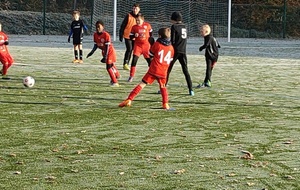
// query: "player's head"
[[205, 30], [136, 8], [176, 16], [164, 33], [76, 15], [140, 19], [99, 26]]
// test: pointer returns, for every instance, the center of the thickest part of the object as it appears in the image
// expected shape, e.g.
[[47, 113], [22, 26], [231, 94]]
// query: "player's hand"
[[201, 48], [69, 39], [121, 39], [89, 55], [103, 60]]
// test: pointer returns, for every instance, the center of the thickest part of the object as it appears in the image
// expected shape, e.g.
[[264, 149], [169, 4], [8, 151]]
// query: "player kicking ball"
[[162, 52]]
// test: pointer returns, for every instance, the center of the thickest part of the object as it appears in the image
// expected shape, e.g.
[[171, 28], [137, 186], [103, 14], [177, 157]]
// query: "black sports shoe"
[[5, 78]]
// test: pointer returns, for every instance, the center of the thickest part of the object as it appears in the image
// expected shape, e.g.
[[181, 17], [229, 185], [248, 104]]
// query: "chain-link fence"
[[53, 17]]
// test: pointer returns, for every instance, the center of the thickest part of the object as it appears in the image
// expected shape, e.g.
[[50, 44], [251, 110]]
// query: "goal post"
[[157, 12]]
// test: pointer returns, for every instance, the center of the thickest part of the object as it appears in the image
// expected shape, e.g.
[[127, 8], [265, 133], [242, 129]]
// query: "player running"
[[102, 41], [163, 52], [141, 33], [5, 56]]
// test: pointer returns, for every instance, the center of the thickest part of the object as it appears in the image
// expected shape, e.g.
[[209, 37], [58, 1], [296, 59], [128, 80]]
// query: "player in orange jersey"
[[124, 32], [163, 52], [102, 41], [141, 33], [5, 56]]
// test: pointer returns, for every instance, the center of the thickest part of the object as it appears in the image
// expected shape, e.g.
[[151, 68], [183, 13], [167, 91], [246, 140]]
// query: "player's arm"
[[207, 41], [173, 33], [70, 34], [151, 39], [92, 51], [122, 27]]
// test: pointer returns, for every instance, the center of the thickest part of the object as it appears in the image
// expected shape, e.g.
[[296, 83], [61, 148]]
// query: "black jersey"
[[211, 46], [77, 27], [179, 37]]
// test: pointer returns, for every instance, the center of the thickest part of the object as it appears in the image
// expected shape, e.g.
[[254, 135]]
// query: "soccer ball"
[[28, 82]]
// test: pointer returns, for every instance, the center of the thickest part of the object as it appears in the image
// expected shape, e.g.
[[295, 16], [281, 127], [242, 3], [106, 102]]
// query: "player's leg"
[[7, 62], [171, 67], [164, 93], [80, 53], [111, 73], [136, 53], [133, 94], [128, 53], [75, 53], [183, 62], [207, 81]]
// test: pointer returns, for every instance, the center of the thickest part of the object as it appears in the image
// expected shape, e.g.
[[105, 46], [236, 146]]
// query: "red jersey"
[[103, 41], [162, 56], [143, 32], [5, 57]]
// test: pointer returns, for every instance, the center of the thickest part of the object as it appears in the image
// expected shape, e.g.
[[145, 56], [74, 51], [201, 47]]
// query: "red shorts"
[[141, 49], [6, 58], [149, 79]]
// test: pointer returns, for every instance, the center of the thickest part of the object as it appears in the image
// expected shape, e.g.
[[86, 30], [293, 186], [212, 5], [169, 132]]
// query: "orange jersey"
[[103, 41], [5, 57], [131, 22], [162, 57], [143, 32]]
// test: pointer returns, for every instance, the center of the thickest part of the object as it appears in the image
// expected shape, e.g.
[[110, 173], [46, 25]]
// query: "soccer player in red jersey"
[[163, 52], [102, 41], [5, 56], [140, 33]]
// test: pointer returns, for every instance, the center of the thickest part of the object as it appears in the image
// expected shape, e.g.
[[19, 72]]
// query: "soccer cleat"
[[75, 61], [125, 103], [130, 79], [192, 93], [80, 61], [166, 106], [126, 67], [200, 85], [208, 84], [159, 92], [114, 85], [4, 77]]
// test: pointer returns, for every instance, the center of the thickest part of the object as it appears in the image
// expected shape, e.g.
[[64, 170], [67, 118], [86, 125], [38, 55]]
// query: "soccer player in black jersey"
[[179, 41], [76, 31]]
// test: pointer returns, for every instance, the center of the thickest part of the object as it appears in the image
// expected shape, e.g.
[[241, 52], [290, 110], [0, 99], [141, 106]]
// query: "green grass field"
[[67, 132]]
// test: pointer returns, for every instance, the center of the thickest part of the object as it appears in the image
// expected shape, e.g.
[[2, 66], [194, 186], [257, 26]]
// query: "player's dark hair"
[[99, 22], [75, 12], [176, 16], [136, 5], [164, 33], [140, 15]]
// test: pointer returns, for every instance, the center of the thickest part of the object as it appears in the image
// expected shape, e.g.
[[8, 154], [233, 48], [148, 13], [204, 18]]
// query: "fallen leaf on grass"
[[250, 184], [178, 171], [289, 177], [17, 172], [20, 162], [13, 155], [231, 175], [247, 155], [288, 142], [50, 178]]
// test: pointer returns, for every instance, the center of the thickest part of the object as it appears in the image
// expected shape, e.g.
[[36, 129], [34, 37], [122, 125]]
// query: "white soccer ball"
[[28, 81]]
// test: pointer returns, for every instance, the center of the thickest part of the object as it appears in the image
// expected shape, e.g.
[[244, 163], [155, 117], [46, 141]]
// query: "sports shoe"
[[4, 77], [75, 61], [125, 103], [130, 79], [114, 85], [192, 93], [158, 92], [80, 61], [166, 106], [126, 67]]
